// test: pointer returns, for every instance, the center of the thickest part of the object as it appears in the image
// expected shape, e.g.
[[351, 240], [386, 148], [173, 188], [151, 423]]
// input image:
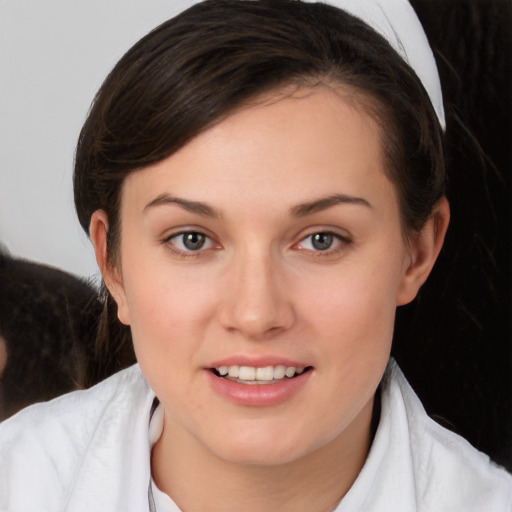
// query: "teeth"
[[265, 373], [233, 371], [247, 373], [279, 372], [290, 372]]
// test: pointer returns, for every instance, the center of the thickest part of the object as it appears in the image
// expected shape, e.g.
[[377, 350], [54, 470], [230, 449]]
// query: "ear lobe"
[[111, 272], [424, 249]]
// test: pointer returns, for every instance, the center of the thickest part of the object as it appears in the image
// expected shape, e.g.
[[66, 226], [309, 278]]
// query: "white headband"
[[398, 23]]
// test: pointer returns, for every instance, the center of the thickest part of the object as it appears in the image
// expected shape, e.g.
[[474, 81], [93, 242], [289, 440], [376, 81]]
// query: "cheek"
[[167, 331], [352, 321], [165, 308], [161, 307], [356, 336], [358, 305]]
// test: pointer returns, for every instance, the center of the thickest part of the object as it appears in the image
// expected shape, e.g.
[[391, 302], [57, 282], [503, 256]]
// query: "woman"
[[263, 183]]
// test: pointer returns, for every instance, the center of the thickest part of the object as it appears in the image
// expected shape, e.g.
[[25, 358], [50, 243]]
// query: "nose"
[[256, 302]]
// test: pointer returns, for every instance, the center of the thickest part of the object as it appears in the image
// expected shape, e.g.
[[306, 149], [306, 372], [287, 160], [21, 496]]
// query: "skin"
[[259, 287]]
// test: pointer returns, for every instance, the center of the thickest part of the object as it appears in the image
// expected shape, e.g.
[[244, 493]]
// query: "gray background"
[[54, 55]]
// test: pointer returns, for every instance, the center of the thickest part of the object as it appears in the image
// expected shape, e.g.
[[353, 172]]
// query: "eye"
[[322, 241], [190, 241]]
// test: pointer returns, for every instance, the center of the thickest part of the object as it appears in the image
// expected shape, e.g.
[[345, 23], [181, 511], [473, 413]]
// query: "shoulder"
[[448, 471], [44, 447], [72, 413]]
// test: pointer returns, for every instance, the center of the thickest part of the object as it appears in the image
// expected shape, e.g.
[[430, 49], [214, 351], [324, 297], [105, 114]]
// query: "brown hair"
[[48, 320], [200, 66]]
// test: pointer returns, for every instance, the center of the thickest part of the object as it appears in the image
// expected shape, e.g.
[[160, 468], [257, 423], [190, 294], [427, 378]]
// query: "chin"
[[260, 454], [262, 446]]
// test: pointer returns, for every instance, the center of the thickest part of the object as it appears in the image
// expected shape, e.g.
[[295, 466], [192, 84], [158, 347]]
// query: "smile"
[[258, 375], [258, 386]]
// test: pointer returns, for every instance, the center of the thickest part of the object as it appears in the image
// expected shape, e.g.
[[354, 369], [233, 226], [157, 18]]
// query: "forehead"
[[283, 147]]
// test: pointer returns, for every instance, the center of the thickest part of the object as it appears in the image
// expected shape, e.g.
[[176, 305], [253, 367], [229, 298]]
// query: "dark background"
[[456, 349]]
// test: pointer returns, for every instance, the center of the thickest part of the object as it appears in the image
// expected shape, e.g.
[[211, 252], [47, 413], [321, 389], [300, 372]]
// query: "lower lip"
[[257, 395]]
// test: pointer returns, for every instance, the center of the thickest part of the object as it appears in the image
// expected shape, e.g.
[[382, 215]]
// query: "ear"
[[423, 251], [110, 271]]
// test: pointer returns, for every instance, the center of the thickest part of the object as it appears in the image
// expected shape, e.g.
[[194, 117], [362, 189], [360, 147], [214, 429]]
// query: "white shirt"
[[90, 451]]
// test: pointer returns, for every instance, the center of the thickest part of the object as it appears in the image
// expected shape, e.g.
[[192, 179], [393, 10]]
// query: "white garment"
[[90, 451], [397, 22]]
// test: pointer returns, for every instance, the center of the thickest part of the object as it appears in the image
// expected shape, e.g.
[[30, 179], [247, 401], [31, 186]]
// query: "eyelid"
[[338, 232], [184, 229], [343, 241], [167, 241]]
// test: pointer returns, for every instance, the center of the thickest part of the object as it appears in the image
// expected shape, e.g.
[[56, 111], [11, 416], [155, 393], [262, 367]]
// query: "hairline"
[[362, 100]]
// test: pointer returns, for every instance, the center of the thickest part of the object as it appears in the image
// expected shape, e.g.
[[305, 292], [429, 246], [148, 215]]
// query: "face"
[[270, 247]]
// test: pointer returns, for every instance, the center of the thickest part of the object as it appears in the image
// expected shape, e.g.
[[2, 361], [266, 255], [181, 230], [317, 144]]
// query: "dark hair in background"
[[455, 342], [197, 68], [48, 319]]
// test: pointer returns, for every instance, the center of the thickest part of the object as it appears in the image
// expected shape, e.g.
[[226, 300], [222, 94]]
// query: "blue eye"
[[191, 241], [322, 241]]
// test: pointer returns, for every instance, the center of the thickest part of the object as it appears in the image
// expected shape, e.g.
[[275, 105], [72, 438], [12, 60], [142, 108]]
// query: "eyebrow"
[[301, 210], [323, 203], [196, 207]]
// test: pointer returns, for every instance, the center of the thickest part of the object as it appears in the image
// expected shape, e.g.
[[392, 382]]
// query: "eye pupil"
[[322, 241], [193, 241]]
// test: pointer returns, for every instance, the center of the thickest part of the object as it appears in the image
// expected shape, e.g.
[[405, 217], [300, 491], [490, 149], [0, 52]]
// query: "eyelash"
[[187, 252], [342, 242]]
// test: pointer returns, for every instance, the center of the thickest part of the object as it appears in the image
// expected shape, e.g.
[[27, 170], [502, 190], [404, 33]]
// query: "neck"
[[196, 479]]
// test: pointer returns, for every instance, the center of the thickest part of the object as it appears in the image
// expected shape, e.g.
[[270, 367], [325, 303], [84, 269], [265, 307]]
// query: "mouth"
[[259, 375]]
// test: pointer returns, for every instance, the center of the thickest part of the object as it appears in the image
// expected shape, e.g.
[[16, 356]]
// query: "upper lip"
[[257, 361]]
